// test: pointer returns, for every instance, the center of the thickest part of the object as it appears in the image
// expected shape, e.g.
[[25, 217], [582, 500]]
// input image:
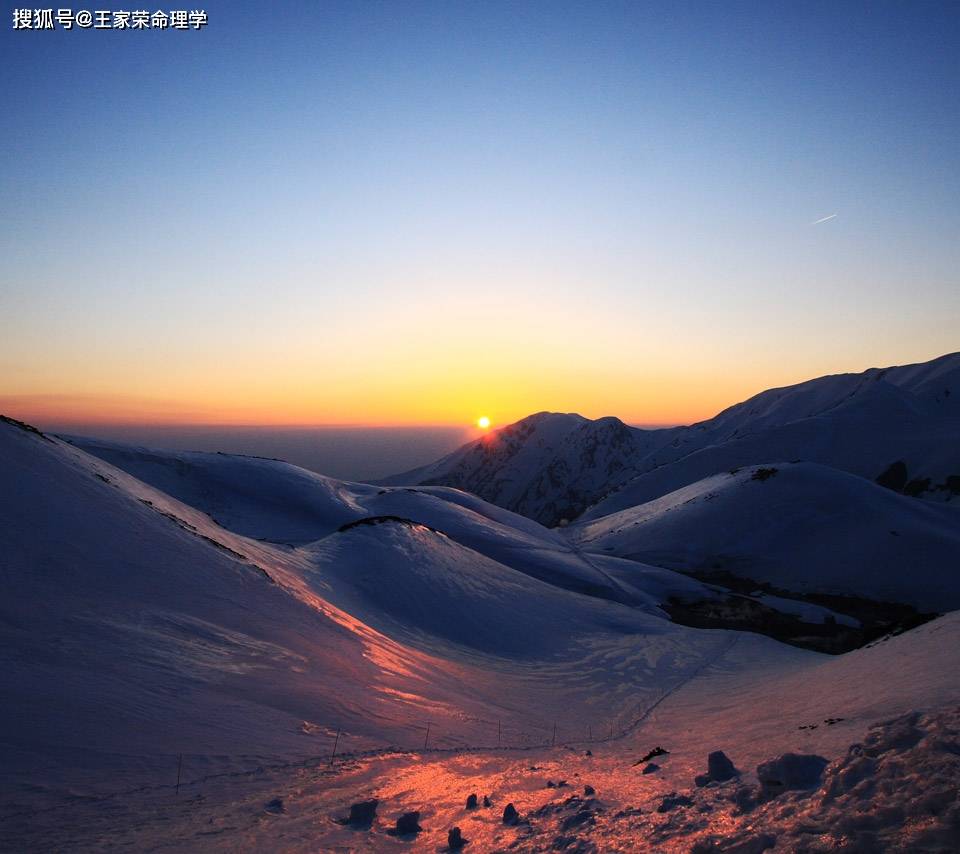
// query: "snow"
[[895, 791], [236, 618], [553, 466], [748, 703], [276, 502], [806, 611], [136, 629], [549, 466], [807, 528]]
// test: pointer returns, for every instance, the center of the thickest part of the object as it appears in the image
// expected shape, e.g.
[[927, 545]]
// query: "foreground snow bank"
[[895, 791]]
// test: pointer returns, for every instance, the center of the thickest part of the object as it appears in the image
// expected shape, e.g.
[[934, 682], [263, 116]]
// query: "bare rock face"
[[673, 800], [652, 754], [790, 771], [510, 814], [408, 824], [455, 839], [362, 813], [719, 769], [275, 806]]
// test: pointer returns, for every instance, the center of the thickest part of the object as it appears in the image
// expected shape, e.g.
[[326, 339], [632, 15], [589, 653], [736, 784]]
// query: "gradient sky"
[[412, 213]]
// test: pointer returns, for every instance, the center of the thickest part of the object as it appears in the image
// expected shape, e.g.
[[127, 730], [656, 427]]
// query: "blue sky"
[[288, 216]]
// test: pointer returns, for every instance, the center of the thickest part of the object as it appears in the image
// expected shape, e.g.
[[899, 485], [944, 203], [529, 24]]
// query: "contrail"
[[825, 219]]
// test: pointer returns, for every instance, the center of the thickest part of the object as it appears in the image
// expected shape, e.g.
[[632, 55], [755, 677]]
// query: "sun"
[[483, 422]]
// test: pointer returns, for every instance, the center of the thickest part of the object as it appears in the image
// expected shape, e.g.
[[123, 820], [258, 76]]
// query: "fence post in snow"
[[498, 733], [179, 766], [553, 740], [427, 736], [336, 741]]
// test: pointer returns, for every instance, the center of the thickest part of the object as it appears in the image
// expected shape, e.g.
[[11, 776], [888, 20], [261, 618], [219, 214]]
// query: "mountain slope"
[[552, 467], [549, 466], [801, 527], [133, 628], [859, 423], [280, 503]]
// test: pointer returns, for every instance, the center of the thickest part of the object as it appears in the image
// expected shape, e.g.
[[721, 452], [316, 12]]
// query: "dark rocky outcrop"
[[719, 769], [408, 824], [650, 754], [790, 771], [362, 813], [894, 476], [672, 801]]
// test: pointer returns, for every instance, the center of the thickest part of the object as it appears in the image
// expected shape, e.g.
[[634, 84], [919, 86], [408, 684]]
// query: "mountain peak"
[[553, 466]]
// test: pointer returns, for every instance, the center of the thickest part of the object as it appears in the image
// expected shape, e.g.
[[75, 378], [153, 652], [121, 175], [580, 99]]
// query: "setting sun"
[[483, 422]]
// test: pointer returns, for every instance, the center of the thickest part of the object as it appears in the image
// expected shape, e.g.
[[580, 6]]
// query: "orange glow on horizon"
[[378, 410], [424, 392]]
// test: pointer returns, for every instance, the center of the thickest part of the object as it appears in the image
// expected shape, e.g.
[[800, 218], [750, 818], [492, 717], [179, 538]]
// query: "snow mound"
[[276, 502], [408, 580], [895, 791], [259, 498], [801, 527]]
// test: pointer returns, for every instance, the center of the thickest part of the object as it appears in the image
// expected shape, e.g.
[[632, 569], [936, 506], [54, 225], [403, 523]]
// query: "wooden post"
[[498, 733], [179, 766], [553, 740], [336, 741], [427, 736]]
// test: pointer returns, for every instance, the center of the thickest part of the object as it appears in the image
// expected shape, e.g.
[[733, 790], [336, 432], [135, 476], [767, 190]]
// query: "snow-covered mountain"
[[802, 527], [276, 502], [239, 619], [865, 424], [900, 424], [134, 627], [549, 466]]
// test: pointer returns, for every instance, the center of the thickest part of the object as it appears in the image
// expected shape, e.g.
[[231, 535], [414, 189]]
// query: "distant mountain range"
[[898, 425]]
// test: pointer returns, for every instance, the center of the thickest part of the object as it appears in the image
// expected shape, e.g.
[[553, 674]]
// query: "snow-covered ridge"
[[275, 502], [135, 628], [133, 625], [548, 466], [554, 467], [802, 527]]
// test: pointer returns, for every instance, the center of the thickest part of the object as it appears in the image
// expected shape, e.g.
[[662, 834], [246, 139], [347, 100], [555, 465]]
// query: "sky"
[[398, 213]]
